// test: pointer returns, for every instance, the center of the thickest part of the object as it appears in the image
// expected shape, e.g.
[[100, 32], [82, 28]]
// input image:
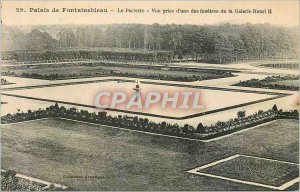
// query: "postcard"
[[149, 95]]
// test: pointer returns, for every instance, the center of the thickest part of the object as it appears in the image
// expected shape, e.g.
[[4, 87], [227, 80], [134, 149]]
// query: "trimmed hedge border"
[[144, 124]]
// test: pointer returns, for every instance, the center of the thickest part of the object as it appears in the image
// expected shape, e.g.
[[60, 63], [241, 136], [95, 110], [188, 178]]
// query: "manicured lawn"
[[256, 170], [90, 157]]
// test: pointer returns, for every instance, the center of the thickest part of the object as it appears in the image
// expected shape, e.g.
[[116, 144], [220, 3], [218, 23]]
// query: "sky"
[[284, 13]]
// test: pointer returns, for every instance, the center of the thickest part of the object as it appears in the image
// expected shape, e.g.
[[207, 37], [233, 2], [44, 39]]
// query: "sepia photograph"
[[150, 95]]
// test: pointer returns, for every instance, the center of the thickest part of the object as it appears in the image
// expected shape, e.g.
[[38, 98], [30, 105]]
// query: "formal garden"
[[289, 82], [93, 69], [144, 124]]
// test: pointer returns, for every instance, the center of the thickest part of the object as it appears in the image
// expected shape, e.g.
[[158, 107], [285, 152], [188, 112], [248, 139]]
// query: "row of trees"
[[136, 123], [95, 54], [210, 43], [102, 118], [242, 121]]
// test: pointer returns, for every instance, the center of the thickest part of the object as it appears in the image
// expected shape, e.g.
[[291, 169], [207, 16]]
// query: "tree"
[[260, 112], [67, 38], [136, 119], [56, 106], [146, 121], [163, 125], [102, 114], [185, 128], [274, 108], [200, 128], [241, 114]]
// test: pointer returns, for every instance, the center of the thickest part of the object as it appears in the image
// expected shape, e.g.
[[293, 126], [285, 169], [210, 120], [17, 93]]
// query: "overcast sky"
[[283, 12]]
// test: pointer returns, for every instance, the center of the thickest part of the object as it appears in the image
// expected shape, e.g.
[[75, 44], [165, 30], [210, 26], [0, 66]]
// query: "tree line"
[[123, 55], [210, 43]]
